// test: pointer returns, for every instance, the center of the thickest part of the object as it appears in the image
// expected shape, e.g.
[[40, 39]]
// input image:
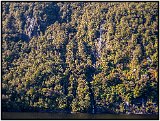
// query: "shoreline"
[[43, 115]]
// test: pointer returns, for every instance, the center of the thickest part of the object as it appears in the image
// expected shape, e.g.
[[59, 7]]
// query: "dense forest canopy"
[[77, 56]]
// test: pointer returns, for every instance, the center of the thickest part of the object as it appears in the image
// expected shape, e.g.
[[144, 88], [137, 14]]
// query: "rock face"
[[100, 41], [32, 27]]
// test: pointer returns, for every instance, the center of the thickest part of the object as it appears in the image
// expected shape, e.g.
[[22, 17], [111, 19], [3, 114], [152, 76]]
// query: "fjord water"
[[34, 115]]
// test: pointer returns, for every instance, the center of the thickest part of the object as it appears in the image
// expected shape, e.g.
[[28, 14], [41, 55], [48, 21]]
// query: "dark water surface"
[[34, 115]]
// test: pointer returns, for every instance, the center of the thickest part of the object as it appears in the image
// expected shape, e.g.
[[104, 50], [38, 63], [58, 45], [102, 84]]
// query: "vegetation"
[[77, 56]]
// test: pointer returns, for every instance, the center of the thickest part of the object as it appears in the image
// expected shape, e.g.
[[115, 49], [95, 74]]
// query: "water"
[[33, 115]]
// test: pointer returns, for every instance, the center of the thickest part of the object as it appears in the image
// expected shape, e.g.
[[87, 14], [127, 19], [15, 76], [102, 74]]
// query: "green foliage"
[[55, 54]]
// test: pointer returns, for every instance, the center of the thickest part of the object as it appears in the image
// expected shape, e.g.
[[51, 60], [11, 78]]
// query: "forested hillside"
[[80, 56]]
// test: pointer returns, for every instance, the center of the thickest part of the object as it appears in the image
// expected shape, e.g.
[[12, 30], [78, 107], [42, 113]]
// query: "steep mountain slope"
[[79, 56]]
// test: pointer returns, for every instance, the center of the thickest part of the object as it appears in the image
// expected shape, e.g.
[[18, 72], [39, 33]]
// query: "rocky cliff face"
[[32, 27]]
